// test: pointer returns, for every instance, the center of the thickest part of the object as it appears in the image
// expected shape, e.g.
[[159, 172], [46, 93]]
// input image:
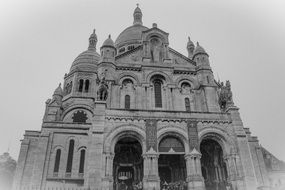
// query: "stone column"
[[151, 179], [194, 174], [108, 178], [95, 156], [234, 177]]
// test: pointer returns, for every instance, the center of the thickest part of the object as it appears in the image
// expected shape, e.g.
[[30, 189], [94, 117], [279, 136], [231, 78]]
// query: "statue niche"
[[156, 50], [225, 95], [102, 92]]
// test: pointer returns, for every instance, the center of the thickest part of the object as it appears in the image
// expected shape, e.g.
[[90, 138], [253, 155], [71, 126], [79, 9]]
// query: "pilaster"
[[21, 164], [95, 147], [108, 168], [244, 149], [151, 179], [195, 180], [40, 158]]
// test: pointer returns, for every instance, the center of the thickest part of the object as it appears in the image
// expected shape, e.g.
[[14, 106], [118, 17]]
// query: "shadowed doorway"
[[128, 164]]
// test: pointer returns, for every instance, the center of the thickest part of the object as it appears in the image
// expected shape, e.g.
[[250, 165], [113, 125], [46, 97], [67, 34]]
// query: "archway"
[[213, 165], [171, 163], [128, 164]]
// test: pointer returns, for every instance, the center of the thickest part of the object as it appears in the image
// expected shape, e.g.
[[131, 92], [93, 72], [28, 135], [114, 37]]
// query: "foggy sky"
[[245, 40]]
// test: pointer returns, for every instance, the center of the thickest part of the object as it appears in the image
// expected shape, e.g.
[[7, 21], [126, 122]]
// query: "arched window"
[[82, 160], [70, 156], [208, 79], [157, 93], [187, 104], [127, 102], [80, 85], [57, 161], [86, 85]]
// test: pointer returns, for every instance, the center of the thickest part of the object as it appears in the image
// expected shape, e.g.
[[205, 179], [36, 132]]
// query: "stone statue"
[[102, 92], [156, 50], [225, 95]]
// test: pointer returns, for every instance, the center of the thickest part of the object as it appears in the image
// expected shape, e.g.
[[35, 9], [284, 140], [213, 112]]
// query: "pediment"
[[179, 59], [148, 34]]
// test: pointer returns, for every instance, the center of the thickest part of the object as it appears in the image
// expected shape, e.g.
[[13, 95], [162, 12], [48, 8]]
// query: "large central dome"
[[132, 34]]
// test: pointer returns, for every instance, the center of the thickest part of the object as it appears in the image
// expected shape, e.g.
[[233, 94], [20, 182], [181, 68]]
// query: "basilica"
[[135, 114]]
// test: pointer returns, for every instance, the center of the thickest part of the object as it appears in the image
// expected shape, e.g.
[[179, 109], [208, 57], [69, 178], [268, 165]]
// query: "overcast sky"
[[244, 38]]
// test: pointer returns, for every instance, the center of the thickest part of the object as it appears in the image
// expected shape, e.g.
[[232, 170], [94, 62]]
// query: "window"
[[82, 160], [127, 102], [122, 50], [86, 85], [57, 161], [80, 85], [157, 93], [131, 47], [70, 156], [187, 104], [79, 117]]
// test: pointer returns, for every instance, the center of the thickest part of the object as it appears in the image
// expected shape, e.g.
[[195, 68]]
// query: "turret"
[[108, 50], [206, 78], [190, 48], [138, 16], [58, 94], [200, 56]]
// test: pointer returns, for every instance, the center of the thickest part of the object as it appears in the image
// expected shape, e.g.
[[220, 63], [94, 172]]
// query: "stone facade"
[[141, 115]]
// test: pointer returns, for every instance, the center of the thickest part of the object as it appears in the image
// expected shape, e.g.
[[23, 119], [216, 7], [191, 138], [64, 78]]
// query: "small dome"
[[132, 34], [87, 60], [199, 49], [138, 10], [108, 42], [58, 90]]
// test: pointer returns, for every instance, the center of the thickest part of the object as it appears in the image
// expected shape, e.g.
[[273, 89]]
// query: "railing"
[[53, 188], [178, 185]]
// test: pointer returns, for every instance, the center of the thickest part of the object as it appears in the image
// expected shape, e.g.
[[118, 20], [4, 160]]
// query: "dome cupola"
[[200, 56], [138, 16], [108, 42], [131, 36], [58, 91], [108, 50], [58, 94], [199, 50], [87, 60]]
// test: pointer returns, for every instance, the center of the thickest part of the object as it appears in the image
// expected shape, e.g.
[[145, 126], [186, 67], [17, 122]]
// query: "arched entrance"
[[213, 165], [128, 164], [171, 163]]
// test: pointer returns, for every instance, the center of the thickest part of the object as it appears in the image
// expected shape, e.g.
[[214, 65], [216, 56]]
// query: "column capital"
[[193, 154], [150, 155], [109, 155], [230, 156]]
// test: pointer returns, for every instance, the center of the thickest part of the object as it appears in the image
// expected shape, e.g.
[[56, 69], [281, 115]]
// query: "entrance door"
[[213, 164], [171, 164], [128, 164]]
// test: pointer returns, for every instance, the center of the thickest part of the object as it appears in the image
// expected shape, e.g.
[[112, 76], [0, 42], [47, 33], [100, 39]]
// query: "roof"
[[131, 34], [86, 60]]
